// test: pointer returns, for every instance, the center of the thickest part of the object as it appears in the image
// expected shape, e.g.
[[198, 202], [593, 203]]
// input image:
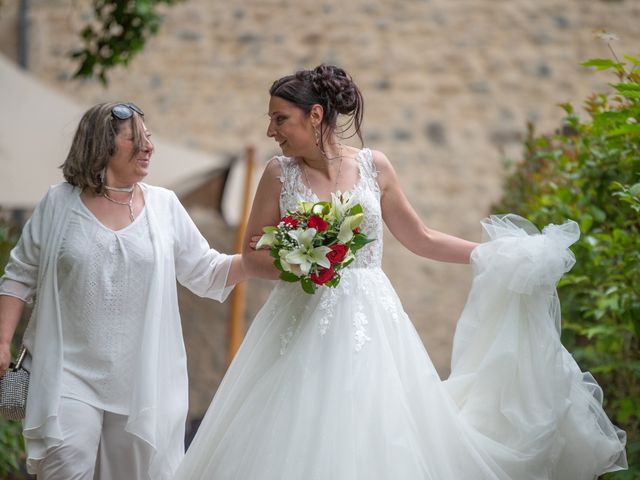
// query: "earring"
[[316, 132]]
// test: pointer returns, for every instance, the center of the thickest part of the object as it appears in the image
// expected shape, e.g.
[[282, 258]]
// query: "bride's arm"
[[265, 211], [405, 224]]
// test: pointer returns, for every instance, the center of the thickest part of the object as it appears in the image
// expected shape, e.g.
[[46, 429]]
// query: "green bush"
[[11, 441], [589, 171]]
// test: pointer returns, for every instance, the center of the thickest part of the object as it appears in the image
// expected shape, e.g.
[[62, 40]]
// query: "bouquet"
[[317, 240]]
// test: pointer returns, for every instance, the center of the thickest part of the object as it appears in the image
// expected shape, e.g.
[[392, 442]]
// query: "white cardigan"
[[158, 399]]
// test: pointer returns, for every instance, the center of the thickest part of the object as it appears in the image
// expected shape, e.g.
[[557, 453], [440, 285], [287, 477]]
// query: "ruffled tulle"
[[338, 385], [511, 377]]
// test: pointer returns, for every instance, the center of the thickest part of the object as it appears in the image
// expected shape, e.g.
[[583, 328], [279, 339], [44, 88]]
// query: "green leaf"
[[333, 282], [567, 107], [633, 129], [356, 209], [628, 89], [602, 64], [633, 60], [289, 277], [598, 213], [308, 286], [358, 241], [585, 223], [347, 263], [601, 330]]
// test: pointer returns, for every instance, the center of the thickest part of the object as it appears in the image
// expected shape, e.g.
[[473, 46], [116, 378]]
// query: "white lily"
[[268, 238], [340, 203], [348, 224], [288, 267], [306, 254]]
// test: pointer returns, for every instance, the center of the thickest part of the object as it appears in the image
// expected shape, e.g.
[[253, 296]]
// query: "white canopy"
[[36, 128]]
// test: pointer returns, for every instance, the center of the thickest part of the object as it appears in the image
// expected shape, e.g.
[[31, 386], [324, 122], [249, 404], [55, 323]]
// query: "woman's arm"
[[18, 284], [237, 273], [200, 268], [265, 211], [405, 224], [11, 309]]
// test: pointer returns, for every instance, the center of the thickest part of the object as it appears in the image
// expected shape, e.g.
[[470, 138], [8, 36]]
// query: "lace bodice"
[[366, 192]]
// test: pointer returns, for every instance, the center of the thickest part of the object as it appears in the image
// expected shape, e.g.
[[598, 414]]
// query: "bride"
[[338, 386]]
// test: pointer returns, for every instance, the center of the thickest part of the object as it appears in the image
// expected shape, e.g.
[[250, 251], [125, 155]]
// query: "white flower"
[[631, 121], [306, 255], [268, 238], [286, 266], [606, 37], [348, 224], [340, 204]]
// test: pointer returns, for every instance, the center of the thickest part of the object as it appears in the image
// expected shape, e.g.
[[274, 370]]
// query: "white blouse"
[[103, 277], [157, 399]]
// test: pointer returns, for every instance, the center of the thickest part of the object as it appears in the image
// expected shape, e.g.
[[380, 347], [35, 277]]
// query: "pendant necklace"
[[306, 177], [129, 203]]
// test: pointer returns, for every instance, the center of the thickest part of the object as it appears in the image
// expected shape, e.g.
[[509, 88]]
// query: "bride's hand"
[[254, 241]]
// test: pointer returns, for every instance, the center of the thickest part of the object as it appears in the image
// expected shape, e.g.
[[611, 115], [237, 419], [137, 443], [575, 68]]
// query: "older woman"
[[100, 256]]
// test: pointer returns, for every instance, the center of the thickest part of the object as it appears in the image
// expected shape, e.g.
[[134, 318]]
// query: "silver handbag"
[[14, 386]]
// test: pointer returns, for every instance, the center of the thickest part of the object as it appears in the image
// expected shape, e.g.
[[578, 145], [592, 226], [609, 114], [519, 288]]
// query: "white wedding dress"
[[338, 385]]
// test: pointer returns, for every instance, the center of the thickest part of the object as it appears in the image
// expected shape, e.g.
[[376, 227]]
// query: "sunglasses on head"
[[124, 111]]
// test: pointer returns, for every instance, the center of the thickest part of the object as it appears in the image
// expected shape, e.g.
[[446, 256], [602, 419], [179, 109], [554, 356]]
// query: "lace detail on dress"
[[359, 324], [366, 192], [329, 300], [286, 337], [389, 305]]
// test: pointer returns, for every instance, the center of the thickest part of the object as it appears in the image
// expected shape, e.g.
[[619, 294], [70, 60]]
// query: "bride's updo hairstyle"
[[331, 88]]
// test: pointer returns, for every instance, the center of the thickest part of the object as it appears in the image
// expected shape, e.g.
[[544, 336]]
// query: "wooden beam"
[[238, 298]]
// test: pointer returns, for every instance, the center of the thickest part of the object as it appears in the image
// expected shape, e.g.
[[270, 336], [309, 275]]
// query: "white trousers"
[[95, 446]]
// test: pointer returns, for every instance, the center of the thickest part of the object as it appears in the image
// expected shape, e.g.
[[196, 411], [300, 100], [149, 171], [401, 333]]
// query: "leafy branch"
[[119, 31]]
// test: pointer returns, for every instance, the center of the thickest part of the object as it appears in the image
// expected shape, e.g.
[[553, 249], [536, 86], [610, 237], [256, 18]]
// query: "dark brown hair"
[[328, 86], [94, 143]]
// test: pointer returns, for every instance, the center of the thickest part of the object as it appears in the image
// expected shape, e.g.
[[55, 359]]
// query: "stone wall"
[[449, 87]]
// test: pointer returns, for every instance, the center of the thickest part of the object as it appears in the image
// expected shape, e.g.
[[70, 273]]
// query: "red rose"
[[356, 230], [316, 222], [337, 253], [290, 221], [322, 276]]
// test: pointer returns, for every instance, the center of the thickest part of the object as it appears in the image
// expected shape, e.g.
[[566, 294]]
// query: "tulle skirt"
[[338, 385]]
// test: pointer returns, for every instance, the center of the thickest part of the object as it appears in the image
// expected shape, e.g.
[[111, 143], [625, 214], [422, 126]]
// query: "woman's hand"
[[5, 358], [11, 309], [254, 241]]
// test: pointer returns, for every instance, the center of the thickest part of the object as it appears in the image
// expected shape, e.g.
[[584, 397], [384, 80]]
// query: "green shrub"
[[589, 171]]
